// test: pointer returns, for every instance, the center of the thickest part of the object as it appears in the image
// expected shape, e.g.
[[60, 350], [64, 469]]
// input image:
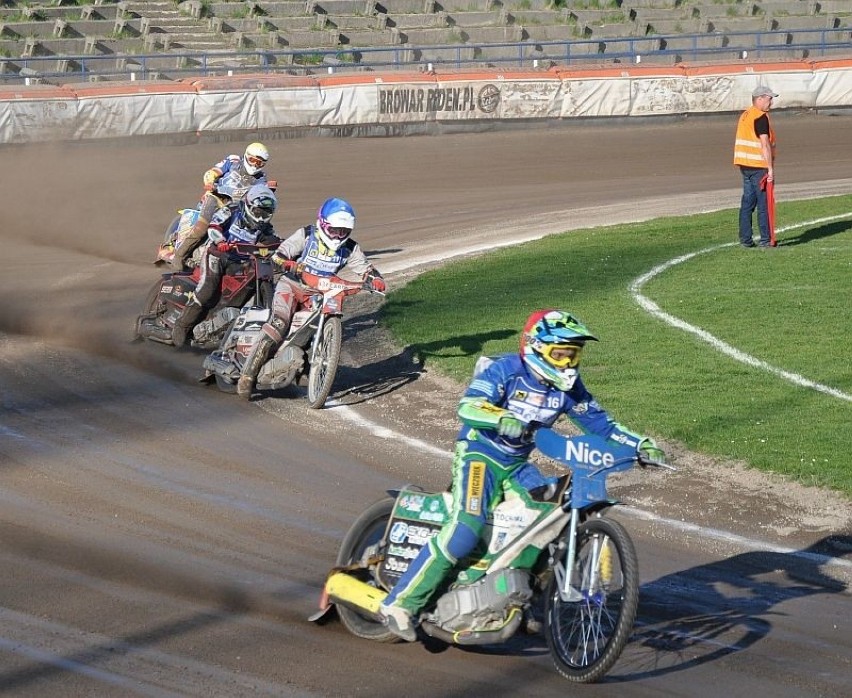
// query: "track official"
[[754, 154]]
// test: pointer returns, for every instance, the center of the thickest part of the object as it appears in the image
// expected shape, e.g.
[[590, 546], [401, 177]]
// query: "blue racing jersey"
[[506, 382], [229, 225]]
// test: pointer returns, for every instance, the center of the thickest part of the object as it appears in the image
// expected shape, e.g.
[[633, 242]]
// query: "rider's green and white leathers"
[[486, 464]]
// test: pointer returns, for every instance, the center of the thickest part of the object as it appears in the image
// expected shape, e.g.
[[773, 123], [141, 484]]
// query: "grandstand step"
[[365, 39], [339, 7], [416, 21], [410, 7], [464, 19], [283, 8], [354, 22], [550, 32]]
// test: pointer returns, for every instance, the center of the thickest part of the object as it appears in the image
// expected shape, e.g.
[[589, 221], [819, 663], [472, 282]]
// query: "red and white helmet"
[[255, 158]]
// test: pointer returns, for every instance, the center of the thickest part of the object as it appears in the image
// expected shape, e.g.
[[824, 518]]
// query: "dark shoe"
[[245, 387], [191, 315], [746, 244], [179, 334]]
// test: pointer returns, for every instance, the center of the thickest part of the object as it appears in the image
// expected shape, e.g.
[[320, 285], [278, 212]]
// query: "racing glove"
[[223, 246], [649, 450], [283, 262], [375, 281], [510, 427]]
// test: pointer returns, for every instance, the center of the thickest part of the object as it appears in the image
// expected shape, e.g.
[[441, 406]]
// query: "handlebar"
[[647, 462], [246, 249], [296, 271], [253, 248]]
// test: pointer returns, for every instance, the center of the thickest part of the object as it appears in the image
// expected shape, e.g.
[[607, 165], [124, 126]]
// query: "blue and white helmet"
[[335, 221], [551, 345]]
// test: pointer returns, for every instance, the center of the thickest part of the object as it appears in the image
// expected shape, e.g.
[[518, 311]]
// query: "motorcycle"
[[311, 347], [228, 191], [550, 552], [249, 281]]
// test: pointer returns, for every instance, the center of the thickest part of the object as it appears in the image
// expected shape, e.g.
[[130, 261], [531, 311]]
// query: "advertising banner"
[[346, 101]]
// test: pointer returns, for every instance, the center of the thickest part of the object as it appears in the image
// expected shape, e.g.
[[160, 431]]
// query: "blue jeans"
[[753, 197]]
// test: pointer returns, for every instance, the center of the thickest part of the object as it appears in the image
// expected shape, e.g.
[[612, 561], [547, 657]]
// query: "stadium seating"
[[230, 34]]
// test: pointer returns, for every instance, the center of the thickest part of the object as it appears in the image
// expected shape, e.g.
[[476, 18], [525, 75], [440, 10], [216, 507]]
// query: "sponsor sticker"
[[475, 488], [398, 532], [488, 99]]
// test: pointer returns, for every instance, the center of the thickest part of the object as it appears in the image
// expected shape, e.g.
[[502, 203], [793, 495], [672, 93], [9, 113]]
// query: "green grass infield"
[[739, 353]]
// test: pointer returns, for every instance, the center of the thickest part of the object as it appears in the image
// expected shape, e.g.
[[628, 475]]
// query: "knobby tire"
[[152, 300], [324, 366], [152, 306]]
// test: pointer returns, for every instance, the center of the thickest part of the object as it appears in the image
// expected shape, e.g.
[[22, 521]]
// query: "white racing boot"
[[398, 621]]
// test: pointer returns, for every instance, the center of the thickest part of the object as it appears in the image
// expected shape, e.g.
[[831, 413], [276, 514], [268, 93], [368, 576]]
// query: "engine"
[[210, 331], [484, 603]]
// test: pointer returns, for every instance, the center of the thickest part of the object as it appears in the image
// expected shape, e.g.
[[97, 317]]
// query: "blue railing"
[[672, 48]]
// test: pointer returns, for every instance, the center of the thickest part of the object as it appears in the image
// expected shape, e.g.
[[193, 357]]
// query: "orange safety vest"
[[747, 146]]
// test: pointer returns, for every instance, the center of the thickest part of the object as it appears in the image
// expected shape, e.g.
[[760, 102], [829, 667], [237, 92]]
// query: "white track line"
[[723, 347]]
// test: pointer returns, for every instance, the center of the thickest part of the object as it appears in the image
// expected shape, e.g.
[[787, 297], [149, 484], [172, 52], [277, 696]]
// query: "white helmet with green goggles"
[[551, 346]]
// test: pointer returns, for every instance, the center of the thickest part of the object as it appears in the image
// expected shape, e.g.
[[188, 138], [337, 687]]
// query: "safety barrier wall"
[[267, 102]]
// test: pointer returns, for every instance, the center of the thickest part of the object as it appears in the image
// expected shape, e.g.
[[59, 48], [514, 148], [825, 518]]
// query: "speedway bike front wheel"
[[324, 362], [587, 628], [367, 532]]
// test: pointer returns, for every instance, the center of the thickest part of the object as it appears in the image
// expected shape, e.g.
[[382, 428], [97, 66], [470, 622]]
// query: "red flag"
[[769, 186]]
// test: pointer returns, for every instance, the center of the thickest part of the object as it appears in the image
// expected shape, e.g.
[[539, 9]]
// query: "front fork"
[[599, 569], [316, 342]]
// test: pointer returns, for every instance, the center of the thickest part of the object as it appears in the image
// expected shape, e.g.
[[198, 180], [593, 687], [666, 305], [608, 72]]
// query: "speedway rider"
[[232, 170], [248, 222], [324, 249], [509, 398]]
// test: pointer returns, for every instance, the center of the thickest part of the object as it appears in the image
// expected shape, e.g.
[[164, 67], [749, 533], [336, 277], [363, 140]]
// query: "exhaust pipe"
[[344, 589]]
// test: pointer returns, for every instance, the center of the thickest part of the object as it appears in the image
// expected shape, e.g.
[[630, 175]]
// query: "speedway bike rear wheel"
[[367, 531], [324, 362], [153, 306], [587, 632], [152, 300]]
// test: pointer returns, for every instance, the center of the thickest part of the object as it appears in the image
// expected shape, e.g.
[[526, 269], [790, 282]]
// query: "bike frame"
[[327, 295]]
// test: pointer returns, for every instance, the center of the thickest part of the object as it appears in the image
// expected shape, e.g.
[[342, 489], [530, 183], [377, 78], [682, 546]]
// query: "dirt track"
[[160, 538]]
